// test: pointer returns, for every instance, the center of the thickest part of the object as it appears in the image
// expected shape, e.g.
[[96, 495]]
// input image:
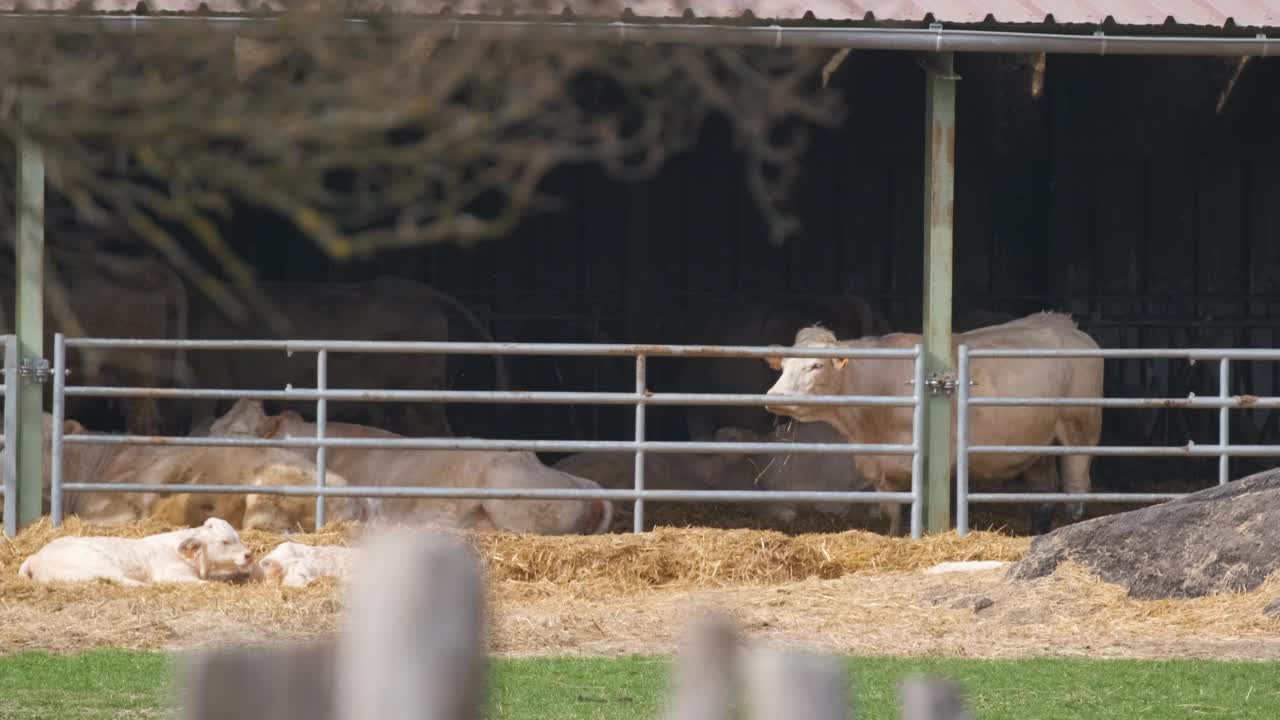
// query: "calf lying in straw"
[[212, 551], [296, 565]]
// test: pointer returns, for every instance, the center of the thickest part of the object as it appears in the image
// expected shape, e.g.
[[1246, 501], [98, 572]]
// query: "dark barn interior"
[[1134, 192]]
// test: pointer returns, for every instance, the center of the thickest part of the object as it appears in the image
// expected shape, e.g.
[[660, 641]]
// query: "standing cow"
[[991, 377], [100, 294], [387, 308], [765, 323]]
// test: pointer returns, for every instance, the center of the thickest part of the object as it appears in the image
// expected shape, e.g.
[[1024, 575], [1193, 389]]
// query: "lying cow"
[[991, 377], [805, 472], [212, 551], [295, 565], [439, 468], [176, 465], [735, 471], [666, 471]]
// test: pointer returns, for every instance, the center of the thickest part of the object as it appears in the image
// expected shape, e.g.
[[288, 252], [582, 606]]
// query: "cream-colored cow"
[[212, 551], [991, 377]]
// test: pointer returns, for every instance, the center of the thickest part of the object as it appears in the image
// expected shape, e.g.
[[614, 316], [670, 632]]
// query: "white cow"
[[992, 377], [212, 551], [296, 565]]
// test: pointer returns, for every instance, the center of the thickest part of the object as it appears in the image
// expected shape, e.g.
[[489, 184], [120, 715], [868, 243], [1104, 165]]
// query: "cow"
[[753, 324], [181, 465], [388, 467], [212, 551], [735, 470], [665, 471], [295, 565], [991, 377], [803, 472], [99, 294], [386, 309]]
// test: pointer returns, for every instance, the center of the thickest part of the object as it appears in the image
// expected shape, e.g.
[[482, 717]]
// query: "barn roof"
[[1199, 14]]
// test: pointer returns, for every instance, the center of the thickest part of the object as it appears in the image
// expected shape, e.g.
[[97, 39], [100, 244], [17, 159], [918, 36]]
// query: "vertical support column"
[[322, 420], [10, 433], [29, 316], [939, 200], [638, 515], [1224, 420]]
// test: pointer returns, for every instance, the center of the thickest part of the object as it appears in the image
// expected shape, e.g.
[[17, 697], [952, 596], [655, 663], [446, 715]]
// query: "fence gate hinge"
[[36, 369]]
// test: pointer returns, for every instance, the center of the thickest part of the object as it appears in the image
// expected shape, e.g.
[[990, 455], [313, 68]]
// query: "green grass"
[[117, 684]]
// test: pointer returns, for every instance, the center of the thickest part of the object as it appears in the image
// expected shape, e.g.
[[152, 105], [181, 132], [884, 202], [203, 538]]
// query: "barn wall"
[[1119, 194]]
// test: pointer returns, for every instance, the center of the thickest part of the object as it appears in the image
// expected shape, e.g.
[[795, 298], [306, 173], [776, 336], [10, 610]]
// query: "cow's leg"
[[1042, 477], [1082, 428], [894, 511]]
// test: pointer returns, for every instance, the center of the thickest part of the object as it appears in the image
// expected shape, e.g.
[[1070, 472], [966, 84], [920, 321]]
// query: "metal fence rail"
[[639, 399], [1224, 402]]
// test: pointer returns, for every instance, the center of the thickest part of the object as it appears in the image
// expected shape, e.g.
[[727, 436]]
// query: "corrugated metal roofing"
[[1196, 13]]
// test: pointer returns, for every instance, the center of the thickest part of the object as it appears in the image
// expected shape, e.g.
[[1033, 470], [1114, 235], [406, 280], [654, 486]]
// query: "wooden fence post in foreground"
[[705, 680], [931, 699], [414, 645], [412, 648]]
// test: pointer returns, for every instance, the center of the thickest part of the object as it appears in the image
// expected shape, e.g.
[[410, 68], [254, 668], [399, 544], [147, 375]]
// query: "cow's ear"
[[71, 427], [839, 362], [774, 361], [190, 547]]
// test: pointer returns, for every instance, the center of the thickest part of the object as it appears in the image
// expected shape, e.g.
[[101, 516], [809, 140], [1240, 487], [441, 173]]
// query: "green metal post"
[[939, 200], [29, 315]]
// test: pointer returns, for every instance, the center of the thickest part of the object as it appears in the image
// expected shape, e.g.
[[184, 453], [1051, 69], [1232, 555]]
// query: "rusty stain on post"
[[939, 203]]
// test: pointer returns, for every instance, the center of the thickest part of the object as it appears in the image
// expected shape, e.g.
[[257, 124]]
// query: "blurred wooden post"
[[705, 679], [795, 686], [931, 699], [414, 646], [290, 682], [412, 649]]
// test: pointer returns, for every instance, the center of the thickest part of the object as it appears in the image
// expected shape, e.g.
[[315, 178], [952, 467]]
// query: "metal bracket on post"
[[35, 370], [941, 383]]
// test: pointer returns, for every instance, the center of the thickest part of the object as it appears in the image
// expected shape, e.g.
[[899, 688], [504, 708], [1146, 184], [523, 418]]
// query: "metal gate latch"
[[37, 369], [941, 383]]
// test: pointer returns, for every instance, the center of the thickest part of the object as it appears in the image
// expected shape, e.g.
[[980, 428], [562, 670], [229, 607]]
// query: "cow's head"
[[286, 514], [273, 566], [807, 376], [215, 550], [244, 418]]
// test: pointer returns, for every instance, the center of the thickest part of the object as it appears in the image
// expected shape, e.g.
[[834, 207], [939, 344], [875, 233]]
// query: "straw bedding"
[[852, 592]]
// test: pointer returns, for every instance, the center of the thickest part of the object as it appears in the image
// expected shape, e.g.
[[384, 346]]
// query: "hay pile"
[[852, 592], [663, 558]]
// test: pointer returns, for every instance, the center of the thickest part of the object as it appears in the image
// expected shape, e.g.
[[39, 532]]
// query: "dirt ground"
[[853, 592]]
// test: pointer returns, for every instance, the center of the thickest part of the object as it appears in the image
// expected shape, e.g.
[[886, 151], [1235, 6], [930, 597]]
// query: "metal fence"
[[10, 469], [1223, 403], [640, 399]]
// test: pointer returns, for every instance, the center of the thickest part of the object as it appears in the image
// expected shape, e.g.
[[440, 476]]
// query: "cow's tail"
[[25, 570], [502, 379]]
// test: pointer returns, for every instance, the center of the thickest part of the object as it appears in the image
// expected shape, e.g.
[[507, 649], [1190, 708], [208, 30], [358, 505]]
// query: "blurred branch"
[[381, 139]]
